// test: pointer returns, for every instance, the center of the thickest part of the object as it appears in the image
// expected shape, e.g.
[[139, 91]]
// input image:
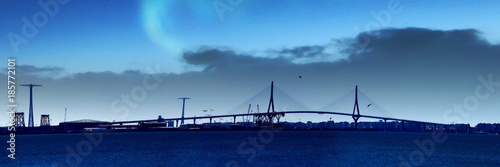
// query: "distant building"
[[342, 125], [485, 127], [330, 125], [170, 123], [44, 120], [460, 128], [19, 119]]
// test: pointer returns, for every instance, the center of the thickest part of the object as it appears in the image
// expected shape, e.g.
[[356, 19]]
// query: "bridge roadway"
[[286, 112]]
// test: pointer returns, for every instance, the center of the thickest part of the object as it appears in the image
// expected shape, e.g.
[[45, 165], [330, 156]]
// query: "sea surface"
[[253, 148]]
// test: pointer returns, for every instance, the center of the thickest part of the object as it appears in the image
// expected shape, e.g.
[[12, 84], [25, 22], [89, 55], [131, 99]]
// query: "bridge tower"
[[355, 110], [268, 119], [183, 105], [30, 118], [271, 104]]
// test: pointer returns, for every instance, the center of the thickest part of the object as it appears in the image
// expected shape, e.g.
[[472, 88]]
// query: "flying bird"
[[205, 110], [211, 109], [369, 105], [300, 76]]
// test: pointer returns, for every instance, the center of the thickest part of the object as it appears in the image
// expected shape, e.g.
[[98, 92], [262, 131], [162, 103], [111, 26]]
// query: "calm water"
[[305, 148]]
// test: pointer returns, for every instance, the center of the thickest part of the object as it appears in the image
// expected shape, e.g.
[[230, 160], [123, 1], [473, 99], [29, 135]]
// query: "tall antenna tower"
[[183, 105], [65, 110], [30, 119]]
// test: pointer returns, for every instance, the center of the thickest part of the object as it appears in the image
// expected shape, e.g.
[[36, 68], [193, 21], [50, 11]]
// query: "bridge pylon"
[[271, 104], [269, 118], [355, 110]]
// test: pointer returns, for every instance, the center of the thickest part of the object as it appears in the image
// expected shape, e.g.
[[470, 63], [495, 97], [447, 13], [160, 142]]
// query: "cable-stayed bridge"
[[271, 115]]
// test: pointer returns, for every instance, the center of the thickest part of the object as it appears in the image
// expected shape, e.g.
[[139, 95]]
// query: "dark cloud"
[[410, 50], [427, 54], [304, 51], [426, 43], [30, 69], [225, 59]]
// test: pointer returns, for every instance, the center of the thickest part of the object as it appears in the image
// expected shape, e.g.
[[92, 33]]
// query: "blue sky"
[[112, 30], [113, 42]]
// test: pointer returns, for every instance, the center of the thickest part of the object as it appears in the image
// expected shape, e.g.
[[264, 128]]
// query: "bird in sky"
[[300, 76], [369, 105], [205, 110]]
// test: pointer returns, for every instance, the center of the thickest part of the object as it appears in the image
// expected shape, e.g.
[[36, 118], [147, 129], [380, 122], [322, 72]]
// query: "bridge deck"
[[286, 112]]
